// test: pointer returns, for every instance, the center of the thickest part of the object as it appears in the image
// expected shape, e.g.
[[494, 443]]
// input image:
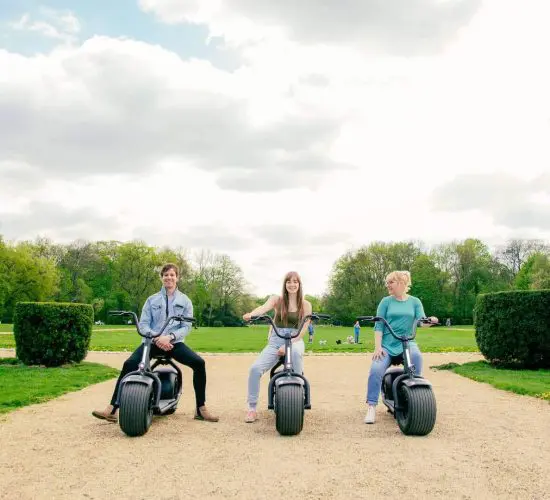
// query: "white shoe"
[[370, 417]]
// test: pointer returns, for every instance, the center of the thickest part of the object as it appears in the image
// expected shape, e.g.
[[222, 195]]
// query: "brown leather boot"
[[203, 414], [105, 415]]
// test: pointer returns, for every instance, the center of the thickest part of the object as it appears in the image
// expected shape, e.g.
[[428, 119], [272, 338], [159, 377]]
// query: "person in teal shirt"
[[401, 311]]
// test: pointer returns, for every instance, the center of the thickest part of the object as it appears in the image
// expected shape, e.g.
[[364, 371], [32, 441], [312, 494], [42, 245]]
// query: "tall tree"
[[430, 285], [356, 284], [534, 273], [516, 252], [135, 270], [218, 286], [25, 277]]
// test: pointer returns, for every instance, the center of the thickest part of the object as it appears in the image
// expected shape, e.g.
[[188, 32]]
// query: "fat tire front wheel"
[[289, 409], [417, 418], [136, 409]]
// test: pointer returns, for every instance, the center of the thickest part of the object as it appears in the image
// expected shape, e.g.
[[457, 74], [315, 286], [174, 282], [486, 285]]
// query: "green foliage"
[[535, 273], [512, 328], [52, 334], [428, 285], [136, 273], [318, 304], [356, 284], [528, 382], [24, 276], [24, 385], [517, 251], [114, 275]]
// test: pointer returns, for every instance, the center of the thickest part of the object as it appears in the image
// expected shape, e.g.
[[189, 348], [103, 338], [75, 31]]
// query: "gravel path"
[[486, 444]]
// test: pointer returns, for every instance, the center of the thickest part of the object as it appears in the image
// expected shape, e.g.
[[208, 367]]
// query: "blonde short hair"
[[401, 276]]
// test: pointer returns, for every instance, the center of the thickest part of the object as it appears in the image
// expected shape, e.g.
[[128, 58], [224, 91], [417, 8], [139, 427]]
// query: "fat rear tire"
[[419, 410], [136, 409], [289, 409]]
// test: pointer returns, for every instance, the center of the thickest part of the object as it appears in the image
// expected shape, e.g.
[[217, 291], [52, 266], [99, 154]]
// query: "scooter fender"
[[283, 378], [288, 381], [417, 381], [409, 382], [140, 379], [149, 379]]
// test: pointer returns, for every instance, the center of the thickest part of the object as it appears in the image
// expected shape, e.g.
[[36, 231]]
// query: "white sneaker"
[[370, 417]]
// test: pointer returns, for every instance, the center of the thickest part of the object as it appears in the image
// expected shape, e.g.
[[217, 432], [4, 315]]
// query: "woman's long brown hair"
[[283, 304]]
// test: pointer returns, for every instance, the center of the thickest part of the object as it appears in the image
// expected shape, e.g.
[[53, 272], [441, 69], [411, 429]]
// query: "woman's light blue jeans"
[[268, 359], [379, 366]]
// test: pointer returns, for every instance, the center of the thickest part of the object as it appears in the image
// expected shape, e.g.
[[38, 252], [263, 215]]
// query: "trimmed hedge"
[[513, 328], [52, 334]]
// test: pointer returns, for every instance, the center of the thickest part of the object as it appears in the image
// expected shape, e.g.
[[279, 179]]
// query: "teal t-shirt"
[[401, 315]]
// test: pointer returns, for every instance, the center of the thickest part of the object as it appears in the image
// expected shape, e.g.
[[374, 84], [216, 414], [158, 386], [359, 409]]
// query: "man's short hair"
[[167, 268]]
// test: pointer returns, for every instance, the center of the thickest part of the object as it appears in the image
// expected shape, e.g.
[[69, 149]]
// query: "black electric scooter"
[[288, 392], [148, 390], [408, 396]]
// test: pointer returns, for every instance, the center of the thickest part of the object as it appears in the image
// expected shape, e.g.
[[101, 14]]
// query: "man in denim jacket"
[[168, 302]]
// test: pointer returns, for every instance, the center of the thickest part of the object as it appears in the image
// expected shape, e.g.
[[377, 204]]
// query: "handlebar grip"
[[428, 320], [117, 313], [257, 318], [320, 315], [184, 318], [366, 318]]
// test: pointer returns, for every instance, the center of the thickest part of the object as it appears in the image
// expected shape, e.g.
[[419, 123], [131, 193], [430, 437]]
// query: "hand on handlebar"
[[247, 316]]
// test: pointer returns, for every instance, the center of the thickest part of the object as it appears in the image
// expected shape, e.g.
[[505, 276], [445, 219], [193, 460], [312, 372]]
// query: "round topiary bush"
[[513, 328], [52, 334]]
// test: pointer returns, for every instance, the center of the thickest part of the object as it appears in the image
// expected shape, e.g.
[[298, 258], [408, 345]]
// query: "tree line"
[[447, 277], [116, 275]]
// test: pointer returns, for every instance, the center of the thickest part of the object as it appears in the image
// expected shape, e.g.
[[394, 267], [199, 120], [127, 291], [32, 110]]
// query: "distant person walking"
[[448, 322], [356, 331], [311, 331]]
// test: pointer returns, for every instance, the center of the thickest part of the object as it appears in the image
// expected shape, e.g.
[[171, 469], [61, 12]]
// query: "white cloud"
[[403, 27], [93, 109], [510, 200], [305, 151], [51, 23]]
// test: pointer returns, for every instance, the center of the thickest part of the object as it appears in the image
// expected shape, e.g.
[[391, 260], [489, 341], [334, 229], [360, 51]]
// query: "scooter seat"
[[394, 369], [396, 360], [162, 359]]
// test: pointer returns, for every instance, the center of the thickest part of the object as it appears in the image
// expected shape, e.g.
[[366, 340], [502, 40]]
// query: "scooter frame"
[[408, 374], [145, 373], [287, 376]]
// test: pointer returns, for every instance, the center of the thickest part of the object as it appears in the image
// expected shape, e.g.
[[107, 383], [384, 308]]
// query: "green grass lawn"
[[253, 339], [528, 382], [22, 385]]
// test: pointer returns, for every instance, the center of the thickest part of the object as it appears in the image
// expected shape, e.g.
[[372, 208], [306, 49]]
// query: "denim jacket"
[[154, 314]]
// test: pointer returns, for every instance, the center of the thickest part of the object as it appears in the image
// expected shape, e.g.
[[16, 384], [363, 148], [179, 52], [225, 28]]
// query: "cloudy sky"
[[281, 133]]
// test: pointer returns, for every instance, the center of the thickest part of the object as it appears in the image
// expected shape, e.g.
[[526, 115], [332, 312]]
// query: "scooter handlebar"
[[386, 325], [133, 315], [269, 319]]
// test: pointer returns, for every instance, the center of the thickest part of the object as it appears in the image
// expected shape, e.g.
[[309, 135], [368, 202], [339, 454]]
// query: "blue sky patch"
[[120, 18]]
